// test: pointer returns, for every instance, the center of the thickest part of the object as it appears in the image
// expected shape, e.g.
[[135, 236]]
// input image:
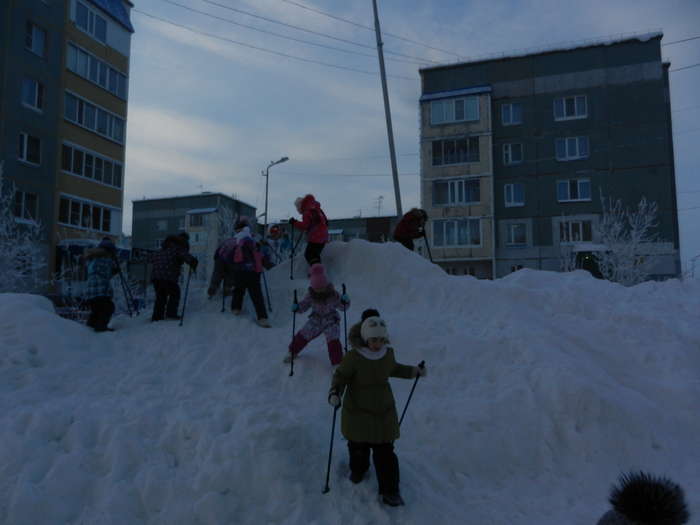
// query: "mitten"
[[333, 399], [420, 371], [344, 299], [295, 307]]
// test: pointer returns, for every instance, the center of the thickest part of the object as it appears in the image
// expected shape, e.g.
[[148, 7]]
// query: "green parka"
[[369, 412]]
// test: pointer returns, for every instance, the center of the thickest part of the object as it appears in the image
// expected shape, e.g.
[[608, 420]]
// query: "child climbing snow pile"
[[324, 301], [369, 419]]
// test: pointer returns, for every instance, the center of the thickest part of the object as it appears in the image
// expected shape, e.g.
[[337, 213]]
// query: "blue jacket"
[[101, 267]]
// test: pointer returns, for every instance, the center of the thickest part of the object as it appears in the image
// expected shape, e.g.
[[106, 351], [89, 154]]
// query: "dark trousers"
[[386, 464], [312, 254], [408, 243], [101, 310], [247, 280], [167, 299]]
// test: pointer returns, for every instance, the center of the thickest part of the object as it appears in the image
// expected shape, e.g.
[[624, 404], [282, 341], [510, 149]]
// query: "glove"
[[345, 299], [420, 371], [333, 399], [295, 307]]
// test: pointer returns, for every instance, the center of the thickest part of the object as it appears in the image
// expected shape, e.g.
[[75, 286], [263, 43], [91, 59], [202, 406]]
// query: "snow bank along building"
[[64, 68], [517, 150]]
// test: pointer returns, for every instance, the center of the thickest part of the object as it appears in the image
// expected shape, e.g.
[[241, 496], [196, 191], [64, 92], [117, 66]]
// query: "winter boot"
[[393, 500], [356, 477], [264, 322]]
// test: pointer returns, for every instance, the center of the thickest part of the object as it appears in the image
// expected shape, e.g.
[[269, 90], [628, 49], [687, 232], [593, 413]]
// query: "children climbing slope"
[[315, 224], [369, 419], [324, 302]]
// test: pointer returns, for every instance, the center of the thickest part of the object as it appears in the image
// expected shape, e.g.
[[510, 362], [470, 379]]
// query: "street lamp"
[[266, 174]]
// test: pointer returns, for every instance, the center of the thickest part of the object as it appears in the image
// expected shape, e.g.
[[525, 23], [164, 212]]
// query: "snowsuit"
[[324, 319], [315, 224], [223, 268], [167, 262], [246, 274], [369, 418], [410, 227], [101, 267]]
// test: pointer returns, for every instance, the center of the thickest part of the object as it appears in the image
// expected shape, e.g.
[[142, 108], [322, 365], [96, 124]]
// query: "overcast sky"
[[207, 114]]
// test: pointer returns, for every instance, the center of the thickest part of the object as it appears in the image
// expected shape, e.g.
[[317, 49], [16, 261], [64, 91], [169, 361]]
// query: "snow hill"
[[542, 388]]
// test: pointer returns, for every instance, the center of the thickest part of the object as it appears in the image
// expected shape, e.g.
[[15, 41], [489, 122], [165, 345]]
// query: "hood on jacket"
[[309, 202]]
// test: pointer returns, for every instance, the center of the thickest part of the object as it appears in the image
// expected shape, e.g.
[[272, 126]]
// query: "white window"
[[97, 71], [29, 149], [512, 114], [571, 148], [514, 194], [455, 151], [90, 22], [457, 232], [570, 108], [35, 39], [157, 244], [575, 231], [25, 205], [87, 215], [94, 118], [456, 192], [516, 234], [197, 220], [32, 93], [512, 154], [454, 110], [85, 163], [573, 190]]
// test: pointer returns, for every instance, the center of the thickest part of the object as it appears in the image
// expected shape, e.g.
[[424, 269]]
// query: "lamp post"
[[266, 174]]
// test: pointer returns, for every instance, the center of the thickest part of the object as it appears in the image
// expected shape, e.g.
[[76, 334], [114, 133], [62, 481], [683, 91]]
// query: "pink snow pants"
[[315, 327]]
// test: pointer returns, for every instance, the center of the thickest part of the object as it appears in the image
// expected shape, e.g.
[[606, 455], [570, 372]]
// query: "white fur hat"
[[373, 327]]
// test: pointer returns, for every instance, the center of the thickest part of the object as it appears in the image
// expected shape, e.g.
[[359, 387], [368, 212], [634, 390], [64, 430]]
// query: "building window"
[[25, 205], [573, 190], [73, 212], [456, 192], [197, 220], [97, 71], [575, 231], [514, 194], [32, 93], [516, 234], [161, 225], [181, 224], [455, 151], [29, 149], [571, 148], [570, 108], [90, 22], [457, 232], [94, 118], [35, 39], [454, 110], [87, 164], [512, 154], [512, 114]]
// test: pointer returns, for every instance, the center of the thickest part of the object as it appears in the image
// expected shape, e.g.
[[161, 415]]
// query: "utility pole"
[[387, 111]]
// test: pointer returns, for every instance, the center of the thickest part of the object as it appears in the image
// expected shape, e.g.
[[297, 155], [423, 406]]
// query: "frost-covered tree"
[[22, 259], [630, 239]]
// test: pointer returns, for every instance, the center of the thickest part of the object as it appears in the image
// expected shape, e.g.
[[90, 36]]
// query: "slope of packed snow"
[[542, 387]]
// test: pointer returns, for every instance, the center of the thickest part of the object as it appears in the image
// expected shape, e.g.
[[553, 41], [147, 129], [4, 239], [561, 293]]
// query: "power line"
[[410, 174], [311, 61], [384, 33], [682, 68], [298, 28], [354, 158], [232, 22], [679, 41]]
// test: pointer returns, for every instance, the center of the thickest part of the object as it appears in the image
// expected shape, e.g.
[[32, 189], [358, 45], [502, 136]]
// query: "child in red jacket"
[[315, 224], [411, 226]]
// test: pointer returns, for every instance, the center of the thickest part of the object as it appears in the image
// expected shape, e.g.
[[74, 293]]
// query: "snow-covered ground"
[[542, 388]]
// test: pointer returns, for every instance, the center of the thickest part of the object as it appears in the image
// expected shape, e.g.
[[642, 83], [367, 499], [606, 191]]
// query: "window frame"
[[510, 238], [567, 225], [579, 181], [566, 141], [91, 23], [512, 202], [508, 154], [100, 112], [471, 158], [25, 216], [70, 204], [23, 150], [443, 223], [97, 159], [454, 191], [30, 47], [563, 101], [510, 121], [39, 95], [199, 222], [74, 50], [453, 102]]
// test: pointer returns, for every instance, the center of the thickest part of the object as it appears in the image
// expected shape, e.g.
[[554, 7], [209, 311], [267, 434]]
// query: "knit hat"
[[297, 203], [643, 498], [370, 312], [107, 244], [318, 279], [374, 327]]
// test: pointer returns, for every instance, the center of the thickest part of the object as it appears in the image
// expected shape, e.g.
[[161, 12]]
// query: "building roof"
[[552, 48], [115, 9], [199, 211], [455, 93], [202, 194]]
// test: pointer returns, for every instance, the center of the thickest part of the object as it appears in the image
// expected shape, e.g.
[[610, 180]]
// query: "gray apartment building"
[[64, 69], [567, 126]]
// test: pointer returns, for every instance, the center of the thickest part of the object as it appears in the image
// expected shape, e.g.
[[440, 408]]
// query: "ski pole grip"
[[421, 364], [295, 297], [343, 288]]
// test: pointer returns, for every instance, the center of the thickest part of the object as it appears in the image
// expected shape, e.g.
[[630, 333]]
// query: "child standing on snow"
[[324, 302], [315, 224], [369, 419], [101, 267]]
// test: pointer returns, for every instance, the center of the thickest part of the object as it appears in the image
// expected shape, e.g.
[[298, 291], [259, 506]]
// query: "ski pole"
[[223, 296], [121, 278], [294, 322], [330, 453], [427, 246], [345, 324], [267, 292], [420, 365], [184, 301]]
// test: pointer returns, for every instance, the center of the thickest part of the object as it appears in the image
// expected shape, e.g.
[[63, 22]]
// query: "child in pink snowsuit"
[[324, 302]]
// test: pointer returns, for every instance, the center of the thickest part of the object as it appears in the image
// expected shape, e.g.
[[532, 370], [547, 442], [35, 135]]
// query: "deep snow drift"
[[542, 388]]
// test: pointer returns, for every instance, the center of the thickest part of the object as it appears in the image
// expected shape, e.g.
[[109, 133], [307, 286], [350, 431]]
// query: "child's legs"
[[308, 332], [312, 254], [386, 465], [359, 457], [335, 349]]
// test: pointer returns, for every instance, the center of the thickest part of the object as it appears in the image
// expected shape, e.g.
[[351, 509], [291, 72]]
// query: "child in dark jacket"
[[174, 252], [101, 267], [369, 418], [324, 302], [410, 227]]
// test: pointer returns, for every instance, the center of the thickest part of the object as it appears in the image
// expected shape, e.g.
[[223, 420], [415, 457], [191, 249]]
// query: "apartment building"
[[569, 126], [64, 74]]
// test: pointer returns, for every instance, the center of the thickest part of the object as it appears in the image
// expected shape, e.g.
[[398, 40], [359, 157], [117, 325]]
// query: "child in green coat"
[[369, 418]]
